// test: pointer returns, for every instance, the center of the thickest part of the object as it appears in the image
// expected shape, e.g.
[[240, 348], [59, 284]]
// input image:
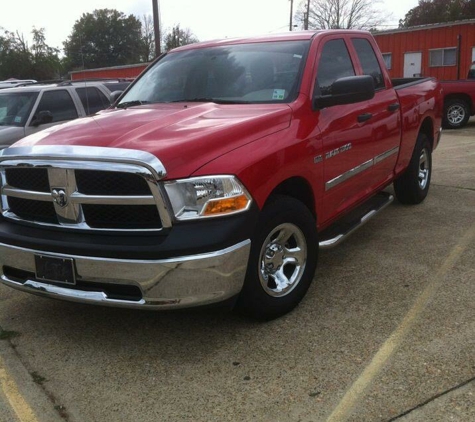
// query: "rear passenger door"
[[347, 139], [383, 112], [59, 103], [92, 99]]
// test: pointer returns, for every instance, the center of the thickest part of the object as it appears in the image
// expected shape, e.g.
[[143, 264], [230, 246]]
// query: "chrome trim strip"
[[385, 155], [78, 153], [179, 282], [347, 175], [27, 194], [78, 198], [358, 169]]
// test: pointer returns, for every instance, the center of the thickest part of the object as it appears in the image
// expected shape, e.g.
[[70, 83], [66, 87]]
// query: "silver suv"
[[28, 109]]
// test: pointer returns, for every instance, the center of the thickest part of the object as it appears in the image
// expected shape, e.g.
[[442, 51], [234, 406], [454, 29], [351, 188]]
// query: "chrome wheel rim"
[[455, 114], [282, 260], [424, 169]]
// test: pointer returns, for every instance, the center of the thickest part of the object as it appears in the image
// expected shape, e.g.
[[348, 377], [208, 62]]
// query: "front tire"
[[413, 185], [282, 261], [456, 114]]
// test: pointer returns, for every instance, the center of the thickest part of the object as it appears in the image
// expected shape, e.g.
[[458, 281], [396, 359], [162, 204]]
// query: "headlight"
[[211, 196]]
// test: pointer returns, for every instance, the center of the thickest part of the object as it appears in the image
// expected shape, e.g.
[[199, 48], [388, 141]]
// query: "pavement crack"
[[454, 187], [431, 399], [37, 379]]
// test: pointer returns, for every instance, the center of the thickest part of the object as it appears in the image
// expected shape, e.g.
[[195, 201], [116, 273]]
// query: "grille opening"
[[34, 179], [122, 216], [98, 182], [27, 209], [112, 290]]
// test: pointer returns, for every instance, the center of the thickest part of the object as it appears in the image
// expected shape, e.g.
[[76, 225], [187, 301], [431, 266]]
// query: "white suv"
[[28, 109]]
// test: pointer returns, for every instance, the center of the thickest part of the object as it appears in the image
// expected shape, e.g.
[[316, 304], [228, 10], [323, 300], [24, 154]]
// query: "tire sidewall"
[[422, 143], [254, 300], [448, 105]]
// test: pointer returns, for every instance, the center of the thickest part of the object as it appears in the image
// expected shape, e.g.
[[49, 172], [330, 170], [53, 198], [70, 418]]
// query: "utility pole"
[[156, 27], [291, 14], [307, 16]]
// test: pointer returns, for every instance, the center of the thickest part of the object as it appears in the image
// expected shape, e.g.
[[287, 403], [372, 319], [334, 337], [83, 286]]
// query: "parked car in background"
[[25, 110], [459, 101], [11, 83]]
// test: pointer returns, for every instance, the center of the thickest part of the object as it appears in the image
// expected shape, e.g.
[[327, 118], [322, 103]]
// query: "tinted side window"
[[92, 100], [59, 103], [335, 63], [368, 61]]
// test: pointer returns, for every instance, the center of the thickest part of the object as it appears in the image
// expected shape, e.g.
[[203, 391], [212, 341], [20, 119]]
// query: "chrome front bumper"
[[174, 283]]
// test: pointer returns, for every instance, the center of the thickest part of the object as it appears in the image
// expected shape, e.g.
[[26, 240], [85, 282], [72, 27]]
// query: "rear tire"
[[456, 114], [282, 261], [413, 185]]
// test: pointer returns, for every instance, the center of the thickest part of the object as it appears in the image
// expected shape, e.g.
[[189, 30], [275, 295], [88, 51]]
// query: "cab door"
[[383, 113], [345, 132]]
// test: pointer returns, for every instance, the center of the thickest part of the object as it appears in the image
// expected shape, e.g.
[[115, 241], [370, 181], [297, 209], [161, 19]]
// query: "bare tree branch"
[[342, 14]]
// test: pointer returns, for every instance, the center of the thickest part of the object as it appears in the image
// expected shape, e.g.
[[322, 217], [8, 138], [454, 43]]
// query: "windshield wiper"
[[210, 100], [131, 103]]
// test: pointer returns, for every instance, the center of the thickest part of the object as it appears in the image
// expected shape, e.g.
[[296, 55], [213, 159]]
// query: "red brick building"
[[127, 71], [444, 51]]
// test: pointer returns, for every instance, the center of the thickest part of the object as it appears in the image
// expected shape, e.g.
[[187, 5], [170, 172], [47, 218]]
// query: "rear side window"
[[335, 63], [92, 100], [59, 103], [369, 62]]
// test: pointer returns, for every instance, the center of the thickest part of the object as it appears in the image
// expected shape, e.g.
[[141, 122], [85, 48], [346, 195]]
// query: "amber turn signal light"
[[226, 205]]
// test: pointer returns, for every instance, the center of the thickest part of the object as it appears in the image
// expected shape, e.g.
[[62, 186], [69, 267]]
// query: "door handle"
[[393, 107], [365, 116]]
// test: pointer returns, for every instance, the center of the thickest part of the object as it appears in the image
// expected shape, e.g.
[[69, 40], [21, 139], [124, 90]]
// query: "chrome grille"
[[84, 191], [110, 183], [28, 179]]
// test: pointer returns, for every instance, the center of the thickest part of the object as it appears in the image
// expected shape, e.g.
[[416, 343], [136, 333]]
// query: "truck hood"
[[10, 134], [183, 136]]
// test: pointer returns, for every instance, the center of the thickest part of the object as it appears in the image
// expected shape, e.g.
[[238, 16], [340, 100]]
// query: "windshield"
[[15, 107], [249, 73]]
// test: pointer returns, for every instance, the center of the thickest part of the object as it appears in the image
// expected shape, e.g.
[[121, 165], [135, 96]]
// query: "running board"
[[340, 230]]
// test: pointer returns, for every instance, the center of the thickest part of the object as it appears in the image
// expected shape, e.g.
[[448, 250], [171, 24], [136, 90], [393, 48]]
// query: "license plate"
[[59, 270]]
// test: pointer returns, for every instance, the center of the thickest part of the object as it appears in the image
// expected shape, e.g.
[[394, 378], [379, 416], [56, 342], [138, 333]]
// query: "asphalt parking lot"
[[386, 333]]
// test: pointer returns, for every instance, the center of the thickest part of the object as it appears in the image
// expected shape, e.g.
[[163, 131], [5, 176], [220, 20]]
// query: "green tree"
[[15, 58], [438, 11], [148, 38], [46, 61], [18, 60], [340, 14], [105, 37], [178, 37]]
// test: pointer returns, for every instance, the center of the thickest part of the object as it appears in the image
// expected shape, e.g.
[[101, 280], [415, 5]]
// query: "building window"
[[388, 57], [443, 57]]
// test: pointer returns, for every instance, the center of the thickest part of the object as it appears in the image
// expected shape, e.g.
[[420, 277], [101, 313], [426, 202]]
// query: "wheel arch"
[[460, 96], [298, 188], [427, 128]]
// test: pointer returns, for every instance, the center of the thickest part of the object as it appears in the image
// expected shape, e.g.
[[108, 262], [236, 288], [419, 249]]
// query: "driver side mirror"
[[115, 96], [42, 118], [349, 90]]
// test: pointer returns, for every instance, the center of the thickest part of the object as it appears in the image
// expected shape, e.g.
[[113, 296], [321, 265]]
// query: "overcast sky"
[[207, 19]]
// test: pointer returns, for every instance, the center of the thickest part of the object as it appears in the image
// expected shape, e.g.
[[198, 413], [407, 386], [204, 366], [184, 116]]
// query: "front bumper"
[[179, 282]]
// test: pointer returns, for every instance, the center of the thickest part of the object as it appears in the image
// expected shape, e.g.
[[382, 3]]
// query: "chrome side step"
[[340, 230]]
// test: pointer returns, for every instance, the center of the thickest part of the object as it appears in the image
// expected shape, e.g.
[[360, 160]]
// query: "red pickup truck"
[[459, 101], [217, 175]]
